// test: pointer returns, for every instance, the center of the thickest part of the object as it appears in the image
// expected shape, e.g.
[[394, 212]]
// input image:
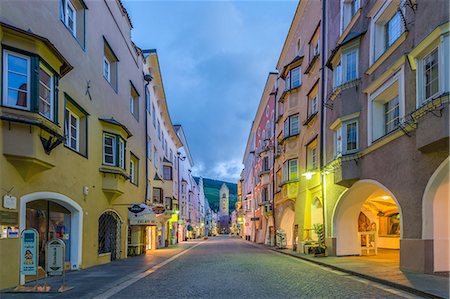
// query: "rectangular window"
[[294, 125], [391, 115], [337, 75], [72, 130], [338, 142], [431, 74], [134, 169], [265, 164], [106, 69], [157, 196], [159, 130], [393, 29], [134, 102], [311, 155], [110, 62], [16, 80], [287, 82], [295, 77], [351, 65], [293, 169], [71, 18], [109, 149], [167, 173], [113, 150], [149, 148], [46, 92], [351, 136], [153, 115], [166, 151]]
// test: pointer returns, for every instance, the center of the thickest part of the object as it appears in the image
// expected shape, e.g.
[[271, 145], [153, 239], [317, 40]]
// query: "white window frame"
[[66, 17], [132, 169], [121, 147], [113, 145], [397, 78], [314, 102], [442, 44], [107, 71], [378, 31], [297, 69], [346, 8], [6, 53], [52, 92], [68, 128]]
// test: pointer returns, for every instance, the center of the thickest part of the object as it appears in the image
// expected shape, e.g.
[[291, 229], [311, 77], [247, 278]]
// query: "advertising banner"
[[29, 252]]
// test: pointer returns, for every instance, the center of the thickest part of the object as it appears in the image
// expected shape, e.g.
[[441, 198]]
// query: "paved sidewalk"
[[430, 286], [96, 280]]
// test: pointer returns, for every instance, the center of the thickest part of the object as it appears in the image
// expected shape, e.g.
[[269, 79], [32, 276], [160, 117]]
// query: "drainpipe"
[[147, 79], [322, 112], [273, 159]]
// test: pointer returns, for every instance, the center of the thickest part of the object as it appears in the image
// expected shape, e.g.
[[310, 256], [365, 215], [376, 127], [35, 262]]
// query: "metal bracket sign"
[[55, 257], [29, 252]]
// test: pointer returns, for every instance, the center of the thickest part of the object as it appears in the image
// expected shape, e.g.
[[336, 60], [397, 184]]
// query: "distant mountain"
[[212, 192]]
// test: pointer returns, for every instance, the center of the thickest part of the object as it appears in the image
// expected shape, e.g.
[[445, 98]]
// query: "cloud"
[[215, 57]]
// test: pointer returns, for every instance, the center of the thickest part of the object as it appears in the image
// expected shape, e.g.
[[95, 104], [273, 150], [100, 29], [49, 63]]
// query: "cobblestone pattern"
[[231, 268]]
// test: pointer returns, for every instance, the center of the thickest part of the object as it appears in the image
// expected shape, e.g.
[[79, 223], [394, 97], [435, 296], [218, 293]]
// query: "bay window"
[[346, 138], [113, 150], [46, 93], [17, 82], [293, 79], [290, 170], [291, 126], [386, 27], [349, 8], [386, 107]]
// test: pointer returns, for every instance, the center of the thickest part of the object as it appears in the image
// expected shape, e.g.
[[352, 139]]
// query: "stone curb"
[[354, 273]]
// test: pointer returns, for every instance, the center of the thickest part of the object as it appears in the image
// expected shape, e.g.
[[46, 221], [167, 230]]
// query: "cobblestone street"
[[224, 267]]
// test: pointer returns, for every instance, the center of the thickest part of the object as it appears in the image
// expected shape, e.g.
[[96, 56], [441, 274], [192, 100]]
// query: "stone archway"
[[287, 224], [435, 222], [373, 200]]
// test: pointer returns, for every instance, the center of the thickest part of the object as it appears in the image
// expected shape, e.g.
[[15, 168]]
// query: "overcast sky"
[[215, 58]]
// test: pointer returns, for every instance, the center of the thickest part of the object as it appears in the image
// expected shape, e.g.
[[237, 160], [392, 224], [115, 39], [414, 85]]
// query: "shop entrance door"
[[51, 220], [148, 238]]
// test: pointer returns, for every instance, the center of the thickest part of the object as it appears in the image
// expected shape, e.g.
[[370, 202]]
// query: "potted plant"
[[320, 250]]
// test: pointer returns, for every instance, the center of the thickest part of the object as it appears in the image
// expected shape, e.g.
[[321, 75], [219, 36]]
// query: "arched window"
[[109, 231]]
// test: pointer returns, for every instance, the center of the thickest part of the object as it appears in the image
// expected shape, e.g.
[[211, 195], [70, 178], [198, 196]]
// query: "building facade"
[[362, 132]]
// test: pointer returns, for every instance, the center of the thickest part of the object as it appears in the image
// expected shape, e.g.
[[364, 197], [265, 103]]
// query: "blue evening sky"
[[215, 57]]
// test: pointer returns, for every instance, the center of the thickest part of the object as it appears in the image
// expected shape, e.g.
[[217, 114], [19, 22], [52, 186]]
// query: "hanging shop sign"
[[137, 208], [141, 215], [159, 209], [55, 257], [9, 202], [29, 252]]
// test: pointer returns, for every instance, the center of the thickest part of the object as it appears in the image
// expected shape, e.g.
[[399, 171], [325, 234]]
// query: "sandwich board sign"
[[29, 252], [55, 257]]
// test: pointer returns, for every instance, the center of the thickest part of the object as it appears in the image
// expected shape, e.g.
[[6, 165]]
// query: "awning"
[[141, 214]]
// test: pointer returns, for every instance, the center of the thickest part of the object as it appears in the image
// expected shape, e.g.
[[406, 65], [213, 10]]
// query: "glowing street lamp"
[[308, 175]]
